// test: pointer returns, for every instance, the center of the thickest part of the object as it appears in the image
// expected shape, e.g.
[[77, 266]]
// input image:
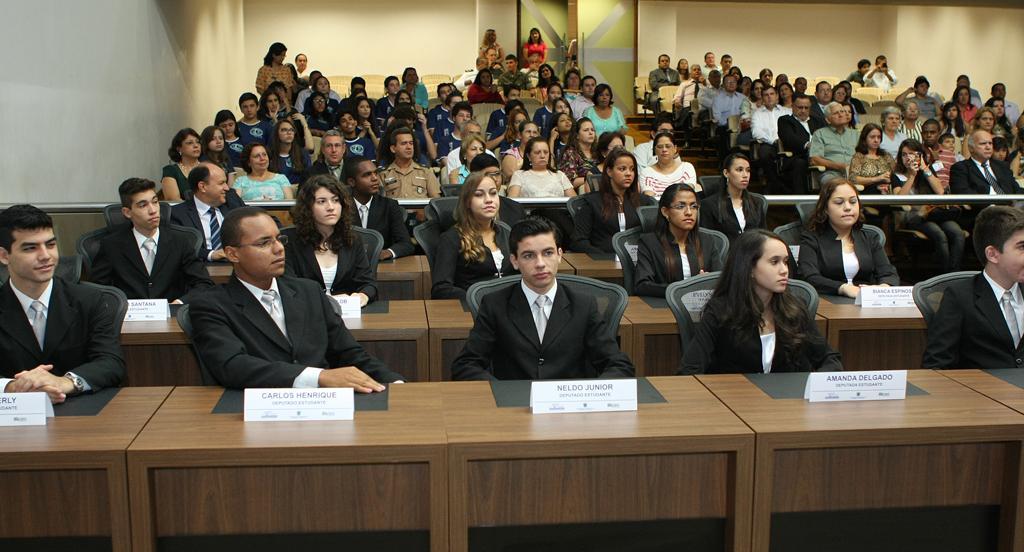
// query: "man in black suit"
[[979, 321], [822, 97], [56, 337], [332, 157], [795, 137], [375, 211], [981, 174], [212, 199], [144, 260], [538, 329], [264, 329]]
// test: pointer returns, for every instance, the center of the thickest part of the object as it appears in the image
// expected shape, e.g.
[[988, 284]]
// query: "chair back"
[[185, 322], [763, 202], [428, 235], [790, 233], [707, 234], [687, 298], [112, 214], [88, 246], [573, 206], [648, 215], [711, 184], [115, 300], [625, 244], [373, 242], [451, 190], [928, 294], [593, 182], [442, 210], [806, 210], [806, 293], [198, 240], [870, 229]]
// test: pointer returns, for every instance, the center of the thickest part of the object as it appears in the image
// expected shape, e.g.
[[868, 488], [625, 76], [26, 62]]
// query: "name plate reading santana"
[[147, 309], [878, 385], [24, 409], [560, 397], [883, 296], [298, 405]]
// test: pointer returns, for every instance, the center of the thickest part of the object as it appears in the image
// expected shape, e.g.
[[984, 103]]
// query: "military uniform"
[[417, 182]]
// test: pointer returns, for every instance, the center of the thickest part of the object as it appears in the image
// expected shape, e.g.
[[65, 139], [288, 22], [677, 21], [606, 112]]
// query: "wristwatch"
[[77, 381]]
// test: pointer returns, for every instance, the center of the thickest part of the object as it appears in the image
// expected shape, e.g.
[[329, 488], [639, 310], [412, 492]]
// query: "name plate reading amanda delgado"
[[879, 385], [24, 409], [298, 405], [560, 397]]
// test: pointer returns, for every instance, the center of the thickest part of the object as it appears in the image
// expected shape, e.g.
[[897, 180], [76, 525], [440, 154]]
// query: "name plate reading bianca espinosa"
[[561, 397], [877, 385], [299, 405]]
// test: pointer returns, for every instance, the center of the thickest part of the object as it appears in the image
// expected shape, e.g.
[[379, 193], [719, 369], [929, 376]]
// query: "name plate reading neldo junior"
[[147, 309], [298, 405], [560, 397], [879, 385], [24, 409], [883, 296]]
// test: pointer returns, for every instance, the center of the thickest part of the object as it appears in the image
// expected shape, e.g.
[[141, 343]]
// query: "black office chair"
[[763, 202], [186, 326], [623, 242], [115, 300], [711, 184], [790, 232], [928, 294], [68, 268], [876, 231], [805, 209], [373, 242], [611, 298], [687, 298], [88, 245], [593, 182], [648, 215], [706, 234], [442, 210], [112, 214], [451, 190], [806, 293], [573, 206], [427, 235]]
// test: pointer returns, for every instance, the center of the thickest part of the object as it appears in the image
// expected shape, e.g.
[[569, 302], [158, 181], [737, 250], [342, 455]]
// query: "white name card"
[[560, 397], [879, 385], [795, 251], [884, 296], [298, 405], [25, 409], [147, 309], [350, 306]]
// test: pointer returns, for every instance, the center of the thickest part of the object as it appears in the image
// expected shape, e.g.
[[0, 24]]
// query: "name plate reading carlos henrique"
[[559, 397], [298, 405], [878, 385]]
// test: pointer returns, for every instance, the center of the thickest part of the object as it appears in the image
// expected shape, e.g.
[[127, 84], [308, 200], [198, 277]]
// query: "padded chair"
[[373, 242], [593, 182], [427, 235], [722, 239], [711, 184], [112, 214], [451, 190], [648, 215], [115, 299], [88, 245], [928, 294], [573, 206], [442, 210], [687, 298], [806, 293], [185, 322], [805, 209], [622, 242], [69, 269], [876, 231], [790, 233], [611, 298], [665, 96]]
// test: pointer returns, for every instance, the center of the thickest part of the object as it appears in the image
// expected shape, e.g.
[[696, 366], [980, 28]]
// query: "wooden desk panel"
[[656, 349], [194, 473], [220, 273], [691, 457], [875, 339], [402, 278], [606, 270], [990, 386], [158, 353], [68, 478], [951, 447]]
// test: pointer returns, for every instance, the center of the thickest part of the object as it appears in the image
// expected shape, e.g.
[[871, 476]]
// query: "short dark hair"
[[994, 226], [662, 118], [921, 79], [389, 79], [484, 161], [133, 186], [588, 77], [931, 122], [862, 63], [21, 217], [529, 227], [231, 228], [178, 140], [223, 115], [248, 96], [510, 87], [512, 57], [725, 56], [350, 167], [462, 106], [801, 97], [201, 173], [993, 89], [442, 85]]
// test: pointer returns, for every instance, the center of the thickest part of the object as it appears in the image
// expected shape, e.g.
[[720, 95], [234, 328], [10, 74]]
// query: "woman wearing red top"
[[483, 89], [535, 44], [962, 97]]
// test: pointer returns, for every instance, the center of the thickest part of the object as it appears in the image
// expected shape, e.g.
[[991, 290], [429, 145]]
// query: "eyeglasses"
[[684, 207], [267, 243]]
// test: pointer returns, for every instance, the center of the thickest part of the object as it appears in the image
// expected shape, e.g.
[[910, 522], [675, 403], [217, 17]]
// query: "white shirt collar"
[[140, 239], [26, 301], [999, 291], [531, 296], [257, 292], [367, 204], [981, 166], [202, 207]]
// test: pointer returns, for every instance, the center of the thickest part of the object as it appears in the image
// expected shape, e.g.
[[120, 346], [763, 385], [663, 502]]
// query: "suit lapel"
[[294, 318], [60, 316], [132, 253], [257, 315], [193, 213], [521, 314], [16, 323], [560, 316], [985, 302], [164, 250], [863, 251], [832, 249]]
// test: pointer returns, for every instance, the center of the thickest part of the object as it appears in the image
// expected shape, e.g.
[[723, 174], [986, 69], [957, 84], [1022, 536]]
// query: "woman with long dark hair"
[[753, 323], [913, 175], [534, 45], [675, 250], [215, 151], [871, 166], [579, 158], [612, 208], [186, 148], [274, 69], [287, 157], [734, 210], [323, 247]]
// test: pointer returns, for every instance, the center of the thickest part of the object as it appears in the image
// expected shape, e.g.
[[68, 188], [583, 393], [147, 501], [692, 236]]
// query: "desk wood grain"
[[875, 339], [402, 278], [606, 270]]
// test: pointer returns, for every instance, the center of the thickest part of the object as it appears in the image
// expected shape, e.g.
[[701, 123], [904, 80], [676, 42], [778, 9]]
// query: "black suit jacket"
[[80, 336], [186, 214], [821, 261], [966, 178], [176, 270], [503, 343], [716, 214], [717, 349], [388, 217], [652, 276], [969, 330], [817, 114], [242, 347], [452, 274], [793, 136], [317, 167], [353, 274], [592, 232]]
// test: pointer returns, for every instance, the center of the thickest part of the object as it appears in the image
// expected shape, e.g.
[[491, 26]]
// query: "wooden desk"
[[400, 338], [513, 473], [194, 476], [450, 326], [875, 339], [66, 482], [890, 472], [990, 386], [403, 278], [158, 353], [220, 273], [606, 270]]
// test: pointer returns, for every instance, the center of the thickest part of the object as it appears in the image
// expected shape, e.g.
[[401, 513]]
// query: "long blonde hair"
[[471, 241]]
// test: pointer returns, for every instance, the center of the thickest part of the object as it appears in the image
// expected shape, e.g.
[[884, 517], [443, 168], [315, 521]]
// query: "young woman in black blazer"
[[476, 248], [753, 324], [612, 208], [322, 247], [660, 256], [723, 210], [837, 256]]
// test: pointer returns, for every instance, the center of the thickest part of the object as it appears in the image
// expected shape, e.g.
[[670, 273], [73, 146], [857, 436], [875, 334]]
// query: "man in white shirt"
[[706, 95], [709, 64], [585, 98], [765, 131], [880, 75], [466, 79], [1012, 109], [644, 152]]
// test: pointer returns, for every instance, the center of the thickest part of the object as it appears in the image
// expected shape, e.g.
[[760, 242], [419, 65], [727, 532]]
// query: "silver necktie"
[[149, 254], [39, 322], [1011, 317], [541, 316], [269, 299]]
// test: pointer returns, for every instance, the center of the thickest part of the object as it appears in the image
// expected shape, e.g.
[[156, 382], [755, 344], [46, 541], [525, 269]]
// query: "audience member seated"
[[928, 105], [871, 167], [233, 145], [786, 94], [753, 324], [561, 130], [733, 211], [490, 42], [841, 96], [880, 76], [332, 155], [685, 96], [979, 320], [980, 174], [307, 90], [509, 339], [441, 112], [727, 104], [837, 256], [512, 76], [833, 146], [384, 106], [579, 158], [211, 200], [512, 157], [610, 209], [535, 45], [545, 114], [444, 132], [1003, 128], [290, 160], [358, 141], [863, 66], [795, 133], [668, 169], [403, 177], [984, 119], [605, 116], [285, 111], [57, 337], [274, 69], [706, 94], [538, 176], [644, 152], [465, 80], [319, 118], [259, 183], [913, 175], [664, 75], [605, 144], [939, 159], [891, 135], [322, 86], [764, 129], [185, 151], [484, 89], [1016, 157], [709, 63], [468, 128], [214, 150], [375, 211], [411, 83], [142, 261], [585, 99], [911, 125], [476, 248], [252, 128], [1012, 109], [265, 329], [473, 145], [323, 247], [965, 81], [964, 103], [545, 78], [822, 97]]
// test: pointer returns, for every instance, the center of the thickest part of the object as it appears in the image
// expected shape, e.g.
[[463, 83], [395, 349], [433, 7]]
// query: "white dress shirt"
[[981, 168], [765, 123], [531, 298], [310, 377], [879, 80], [141, 239], [204, 219], [1016, 300]]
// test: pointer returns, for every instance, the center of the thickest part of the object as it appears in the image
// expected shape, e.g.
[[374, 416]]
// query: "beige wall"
[[499, 15], [786, 37]]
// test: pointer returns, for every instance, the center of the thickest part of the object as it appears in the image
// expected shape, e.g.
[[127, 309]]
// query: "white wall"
[[499, 15]]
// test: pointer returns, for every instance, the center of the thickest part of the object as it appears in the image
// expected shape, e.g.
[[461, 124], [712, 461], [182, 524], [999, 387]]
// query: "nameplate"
[[298, 405], [877, 385], [24, 409], [883, 296], [350, 306], [561, 397], [147, 309], [795, 251]]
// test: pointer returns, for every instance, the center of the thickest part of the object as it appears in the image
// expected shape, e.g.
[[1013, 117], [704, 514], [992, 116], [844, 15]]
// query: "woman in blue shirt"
[[605, 116], [259, 183]]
